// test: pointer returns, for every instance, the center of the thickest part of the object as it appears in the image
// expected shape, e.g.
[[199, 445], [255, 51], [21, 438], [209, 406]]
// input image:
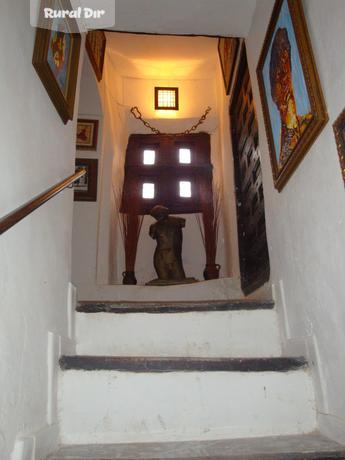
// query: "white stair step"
[[189, 329], [156, 400]]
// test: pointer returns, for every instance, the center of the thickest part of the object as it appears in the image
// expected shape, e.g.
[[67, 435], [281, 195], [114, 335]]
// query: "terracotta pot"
[[211, 271], [129, 278]]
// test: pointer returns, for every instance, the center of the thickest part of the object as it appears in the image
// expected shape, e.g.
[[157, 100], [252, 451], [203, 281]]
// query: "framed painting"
[[95, 46], [292, 100], [85, 188], [56, 60], [87, 134], [227, 51], [339, 131]]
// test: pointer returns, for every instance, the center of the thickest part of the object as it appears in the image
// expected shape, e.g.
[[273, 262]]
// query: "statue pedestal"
[[158, 282]]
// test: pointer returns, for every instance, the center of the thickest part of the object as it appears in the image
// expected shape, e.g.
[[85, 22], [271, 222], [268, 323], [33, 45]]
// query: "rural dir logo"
[[79, 15]]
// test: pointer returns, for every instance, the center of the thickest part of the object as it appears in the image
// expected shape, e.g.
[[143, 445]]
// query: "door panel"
[[251, 225]]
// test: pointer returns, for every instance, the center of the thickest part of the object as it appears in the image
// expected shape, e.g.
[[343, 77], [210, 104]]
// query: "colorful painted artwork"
[[293, 104], [87, 133], [285, 87], [59, 52], [56, 59]]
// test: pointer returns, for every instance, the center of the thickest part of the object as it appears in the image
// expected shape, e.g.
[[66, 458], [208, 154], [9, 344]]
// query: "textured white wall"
[[37, 151], [227, 168], [306, 221], [85, 213]]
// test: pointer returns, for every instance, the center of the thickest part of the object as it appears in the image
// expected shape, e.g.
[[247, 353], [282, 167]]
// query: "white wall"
[[37, 152], [85, 213], [95, 230], [306, 221], [228, 177]]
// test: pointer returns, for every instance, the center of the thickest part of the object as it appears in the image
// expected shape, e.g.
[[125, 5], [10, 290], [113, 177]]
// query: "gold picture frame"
[[56, 60], [87, 134], [227, 52], [291, 95], [95, 46], [339, 132]]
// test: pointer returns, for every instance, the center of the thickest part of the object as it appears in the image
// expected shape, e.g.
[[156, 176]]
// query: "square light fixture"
[[166, 98]]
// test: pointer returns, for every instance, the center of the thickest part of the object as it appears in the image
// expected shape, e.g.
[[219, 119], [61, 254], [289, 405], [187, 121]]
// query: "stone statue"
[[167, 260]]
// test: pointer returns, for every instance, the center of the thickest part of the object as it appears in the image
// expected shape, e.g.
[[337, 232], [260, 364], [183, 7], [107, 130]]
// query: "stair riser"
[[112, 406], [219, 289], [207, 334]]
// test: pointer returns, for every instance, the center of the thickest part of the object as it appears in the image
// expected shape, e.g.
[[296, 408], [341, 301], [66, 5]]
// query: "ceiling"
[[195, 17], [157, 56]]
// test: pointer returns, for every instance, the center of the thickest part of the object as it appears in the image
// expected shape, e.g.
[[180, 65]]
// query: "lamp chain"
[[137, 114]]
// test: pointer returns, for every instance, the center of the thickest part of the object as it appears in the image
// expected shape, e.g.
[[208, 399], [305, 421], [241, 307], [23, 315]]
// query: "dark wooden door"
[[253, 251]]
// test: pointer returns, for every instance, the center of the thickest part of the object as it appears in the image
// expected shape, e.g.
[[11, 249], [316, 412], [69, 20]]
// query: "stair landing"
[[301, 447]]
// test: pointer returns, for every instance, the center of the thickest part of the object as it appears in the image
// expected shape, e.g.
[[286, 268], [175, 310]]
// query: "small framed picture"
[[85, 188], [339, 131], [87, 134], [95, 47], [227, 51]]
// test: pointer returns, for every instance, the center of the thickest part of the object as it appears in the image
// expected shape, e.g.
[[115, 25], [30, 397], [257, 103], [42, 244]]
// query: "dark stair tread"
[[293, 447], [180, 364], [172, 307], [288, 456]]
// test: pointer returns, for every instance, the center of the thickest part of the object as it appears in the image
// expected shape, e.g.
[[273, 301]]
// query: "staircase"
[[182, 380]]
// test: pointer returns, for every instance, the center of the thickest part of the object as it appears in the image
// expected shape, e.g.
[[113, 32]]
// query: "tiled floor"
[[311, 446]]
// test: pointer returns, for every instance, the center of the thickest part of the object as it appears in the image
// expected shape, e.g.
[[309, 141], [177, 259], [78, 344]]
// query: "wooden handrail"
[[18, 214]]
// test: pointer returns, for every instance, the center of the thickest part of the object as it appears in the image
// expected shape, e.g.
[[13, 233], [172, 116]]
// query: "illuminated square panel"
[[185, 189], [166, 98], [149, 157], [148, 191], [184, 156]]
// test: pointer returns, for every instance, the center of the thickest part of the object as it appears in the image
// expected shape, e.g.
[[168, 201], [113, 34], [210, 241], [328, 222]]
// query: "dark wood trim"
[[164, 34], [172, 307], [18, 214], [159, 365], [250, 287]]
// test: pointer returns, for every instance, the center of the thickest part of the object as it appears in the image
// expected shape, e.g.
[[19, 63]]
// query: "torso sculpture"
[[167, 231]]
